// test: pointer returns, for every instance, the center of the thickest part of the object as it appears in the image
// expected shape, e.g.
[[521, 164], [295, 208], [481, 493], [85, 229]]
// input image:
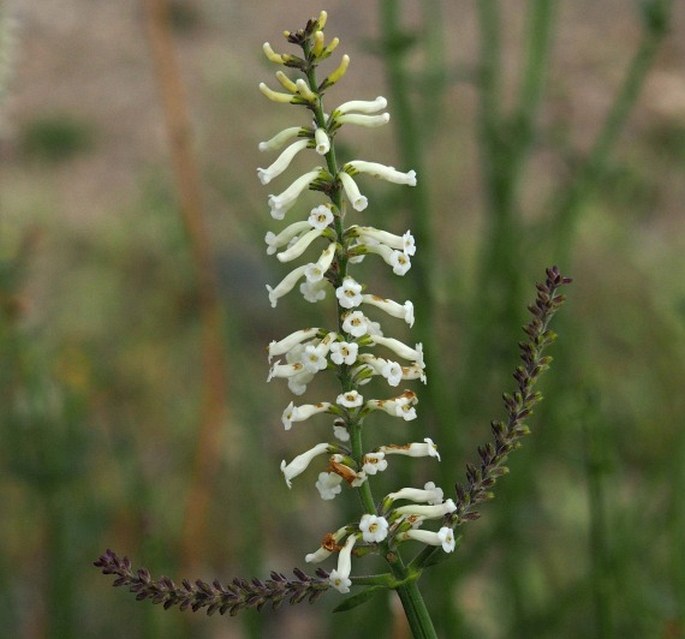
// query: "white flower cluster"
[[350, 348]]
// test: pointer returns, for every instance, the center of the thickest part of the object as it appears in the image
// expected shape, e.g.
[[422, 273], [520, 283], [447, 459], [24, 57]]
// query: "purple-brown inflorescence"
[[519, 405], [229, 598]]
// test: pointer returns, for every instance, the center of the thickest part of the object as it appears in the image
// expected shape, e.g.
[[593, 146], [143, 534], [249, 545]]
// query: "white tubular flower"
[[281, 138], [357, 200], [274, 242], [282, 162], [299, 247], [293, 413], [276, 96], [355, 323], [304, 90], [315, 272], [344, 353], [392, 372], [298, 465], [323, 144], [329, 485], [298, 383], [326, 342], [281, 203], [431, 494], [359, 479], [374, 529], [313, 291], [363, 106], [368, 121], [415, 449], [376, 366], [290, 341], [351, 399], [286, 285], [322, 19], [271, 54], [317, 49], [408, 244], [399, 261], [401, 349], [284, 370], [314, 359], [381, 171], [373, 328], [340, 576], [341, 433], [402, 406], [374, 463], [286, 82], [320, 217], [339, 72], [349, 293], [428, 512], [394, 309], [294, 355], [444, 537], [328, 545], [404, 243], [414, 372]]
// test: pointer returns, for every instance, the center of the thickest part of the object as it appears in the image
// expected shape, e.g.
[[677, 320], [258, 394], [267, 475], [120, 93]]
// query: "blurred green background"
[[542, 132]]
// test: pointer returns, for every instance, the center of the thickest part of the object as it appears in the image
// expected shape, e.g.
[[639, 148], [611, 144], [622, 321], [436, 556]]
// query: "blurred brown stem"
[[186, 173]]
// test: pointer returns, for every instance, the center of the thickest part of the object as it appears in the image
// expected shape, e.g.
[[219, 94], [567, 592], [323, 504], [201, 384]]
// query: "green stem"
[[354, 425], [595, 471], [590, 172], [415, 608]]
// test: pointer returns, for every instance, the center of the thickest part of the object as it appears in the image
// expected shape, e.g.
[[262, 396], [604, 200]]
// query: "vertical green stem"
[[595, 461], [678, 528], [354, 425], [589, 173], [417, 614], [61, 619]]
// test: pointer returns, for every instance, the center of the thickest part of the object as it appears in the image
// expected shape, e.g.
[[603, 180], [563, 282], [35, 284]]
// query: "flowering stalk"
[[349, 347], [358, 352]]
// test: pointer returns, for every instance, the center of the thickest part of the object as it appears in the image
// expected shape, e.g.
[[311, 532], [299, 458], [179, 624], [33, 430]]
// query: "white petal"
[[299, 247], [281, 203], [383, 172], [358, 201], [282, 162], [298, 465], [286, 285], [363, 106], [323, 144], [368, 121], [279, 140]]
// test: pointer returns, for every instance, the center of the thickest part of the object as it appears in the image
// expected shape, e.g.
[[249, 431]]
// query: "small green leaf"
[[358, 599]]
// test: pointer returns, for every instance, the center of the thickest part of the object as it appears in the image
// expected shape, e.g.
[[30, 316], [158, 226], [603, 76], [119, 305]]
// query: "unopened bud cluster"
[[356, 349]]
